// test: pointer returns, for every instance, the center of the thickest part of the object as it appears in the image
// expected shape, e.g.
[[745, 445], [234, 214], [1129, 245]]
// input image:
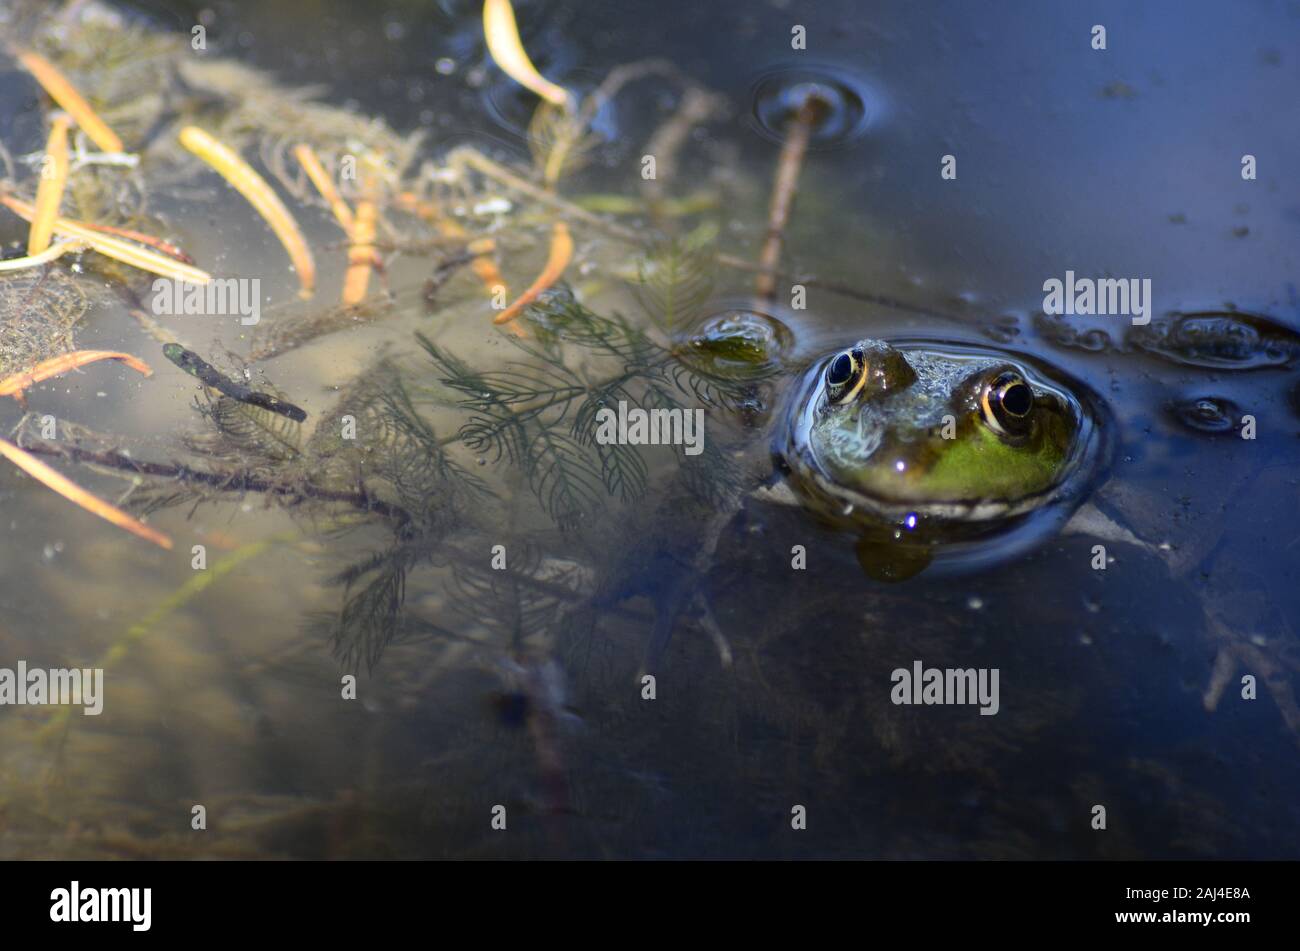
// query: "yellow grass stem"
[[306, 157], [502, 34], [49, 193], [113, 247], [361, 253], [66, 95], [51, 253], [254, 188], [196, 584]]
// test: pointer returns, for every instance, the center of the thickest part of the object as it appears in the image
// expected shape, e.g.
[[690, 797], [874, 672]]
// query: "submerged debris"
[[209, 375]]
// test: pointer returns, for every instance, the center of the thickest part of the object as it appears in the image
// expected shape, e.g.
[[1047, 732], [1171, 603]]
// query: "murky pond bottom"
[[420, 623]]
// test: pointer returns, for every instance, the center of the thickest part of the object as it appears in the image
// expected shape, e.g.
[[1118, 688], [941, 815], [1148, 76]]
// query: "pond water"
[[518, 693]]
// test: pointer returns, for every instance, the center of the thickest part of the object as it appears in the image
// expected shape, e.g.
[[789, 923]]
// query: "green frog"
[[926, 449]]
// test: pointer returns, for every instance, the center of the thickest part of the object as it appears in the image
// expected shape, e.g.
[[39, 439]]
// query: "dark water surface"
[[1124, 163]]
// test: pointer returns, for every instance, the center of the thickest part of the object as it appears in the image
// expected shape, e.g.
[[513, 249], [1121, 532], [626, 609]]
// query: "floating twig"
[[258, 193], [559, 258], [72, 102]]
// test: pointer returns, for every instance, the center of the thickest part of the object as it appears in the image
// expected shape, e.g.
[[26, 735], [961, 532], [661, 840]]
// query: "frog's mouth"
[[930, 518]]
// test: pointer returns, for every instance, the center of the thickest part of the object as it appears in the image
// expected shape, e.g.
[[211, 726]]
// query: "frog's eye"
[[1007, 402], [845, 376]]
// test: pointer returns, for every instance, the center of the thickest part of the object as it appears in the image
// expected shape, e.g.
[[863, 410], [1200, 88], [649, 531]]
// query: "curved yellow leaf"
[[507, 49], [254, 188]]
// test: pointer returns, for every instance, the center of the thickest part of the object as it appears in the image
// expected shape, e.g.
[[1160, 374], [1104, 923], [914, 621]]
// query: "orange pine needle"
[[49, 193], [502, 34], [258, 193], [560, 256], [361, 253], [66, 95], [61, 484], [15, 384], [157, 244], [306, 157]]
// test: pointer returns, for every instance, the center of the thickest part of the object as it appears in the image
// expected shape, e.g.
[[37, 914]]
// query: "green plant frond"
[[676, 279], [623, 471], [432, 454], [495, 437], [560, 142], [567, 480], [523, 599], [599, 397], [371, 616], [249, 434]]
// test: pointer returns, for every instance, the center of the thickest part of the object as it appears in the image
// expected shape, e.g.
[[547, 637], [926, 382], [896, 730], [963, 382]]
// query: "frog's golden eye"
[[845, 376], [1007, 401]]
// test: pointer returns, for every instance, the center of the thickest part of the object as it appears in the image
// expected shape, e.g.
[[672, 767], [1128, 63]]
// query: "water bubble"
[[1206, 414], [1222, 339], [848, 106]]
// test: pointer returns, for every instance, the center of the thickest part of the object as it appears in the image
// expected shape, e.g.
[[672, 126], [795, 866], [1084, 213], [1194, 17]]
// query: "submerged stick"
[[224, 481], [74, 493], [466, 157], [788, 168], [230, 166]]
